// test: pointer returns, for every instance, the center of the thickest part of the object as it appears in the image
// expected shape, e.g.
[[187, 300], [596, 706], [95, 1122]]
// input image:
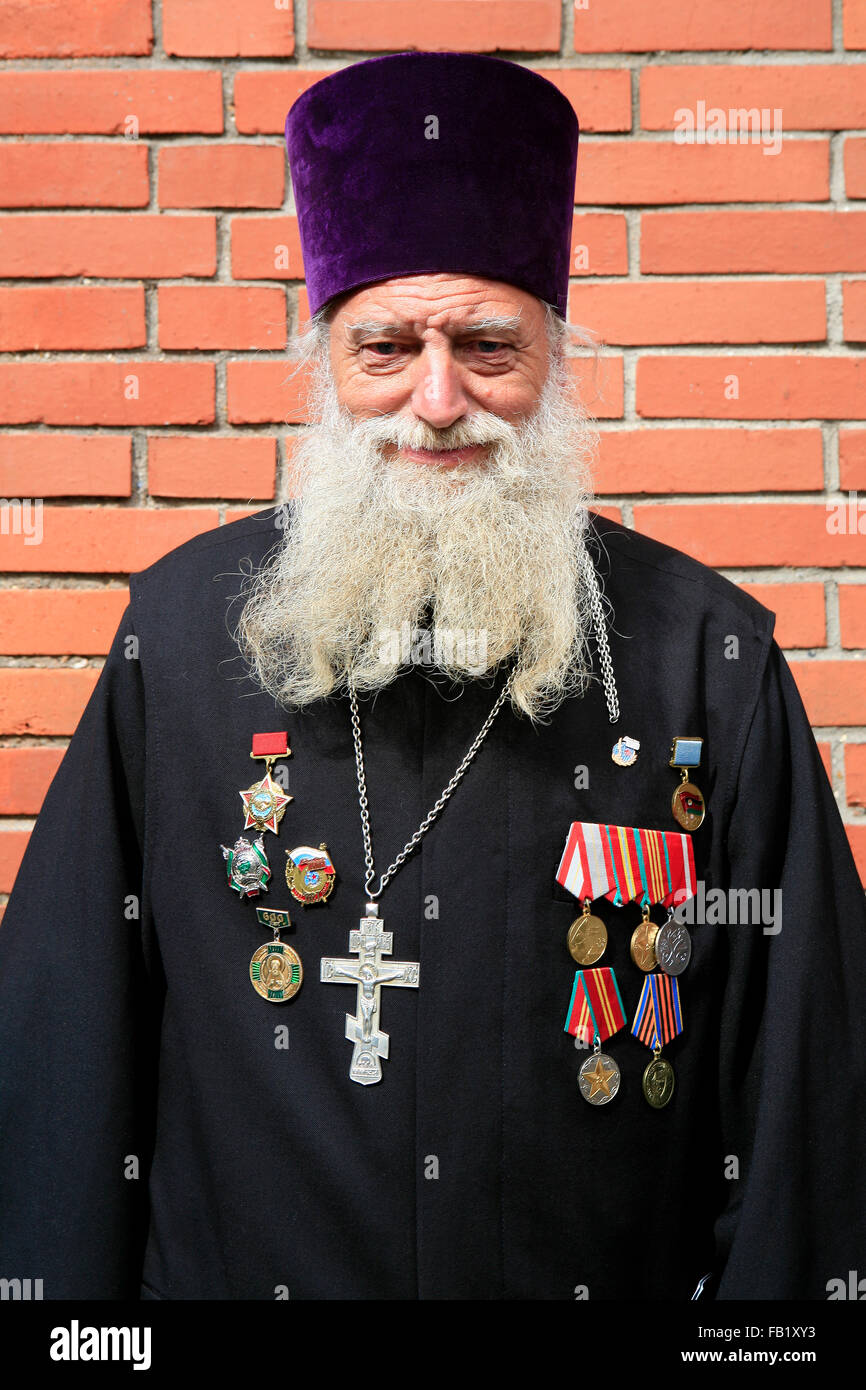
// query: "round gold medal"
[[309, 873], [642, 946], [587, 939], [688, 806], [658, 1082], [276, 972]]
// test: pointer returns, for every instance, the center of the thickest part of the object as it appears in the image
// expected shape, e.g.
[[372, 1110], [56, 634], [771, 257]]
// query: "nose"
[[439, 397]]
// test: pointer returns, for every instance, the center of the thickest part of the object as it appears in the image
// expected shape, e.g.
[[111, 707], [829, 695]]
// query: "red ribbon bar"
[[270, 745]]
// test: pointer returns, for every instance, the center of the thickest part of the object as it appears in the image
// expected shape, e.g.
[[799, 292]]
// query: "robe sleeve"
[[792, 1040], [80, 998]]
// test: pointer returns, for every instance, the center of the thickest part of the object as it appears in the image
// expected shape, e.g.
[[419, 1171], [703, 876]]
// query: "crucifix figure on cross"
[[370, 942]]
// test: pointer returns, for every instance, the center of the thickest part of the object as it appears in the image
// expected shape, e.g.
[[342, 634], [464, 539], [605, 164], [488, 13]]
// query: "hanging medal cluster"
[[276, 972], [627, 864]]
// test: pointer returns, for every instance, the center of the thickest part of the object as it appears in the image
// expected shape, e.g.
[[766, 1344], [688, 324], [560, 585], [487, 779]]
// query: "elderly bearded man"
[[496, 1068]]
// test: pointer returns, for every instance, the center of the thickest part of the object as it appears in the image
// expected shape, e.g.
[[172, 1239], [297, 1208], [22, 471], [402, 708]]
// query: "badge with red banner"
[[595, 1012], [265, 802], [657, 1021]]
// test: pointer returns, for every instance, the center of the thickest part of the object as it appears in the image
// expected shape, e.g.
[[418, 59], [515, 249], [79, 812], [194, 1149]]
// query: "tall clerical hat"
[[424, 162]]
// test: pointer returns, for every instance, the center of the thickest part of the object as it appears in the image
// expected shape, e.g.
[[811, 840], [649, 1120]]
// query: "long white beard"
[[490, 554]]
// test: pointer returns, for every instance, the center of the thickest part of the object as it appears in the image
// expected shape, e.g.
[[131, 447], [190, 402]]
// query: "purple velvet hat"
[[424, 162]]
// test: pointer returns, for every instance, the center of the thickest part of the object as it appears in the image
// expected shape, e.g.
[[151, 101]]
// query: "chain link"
[[611, 697], [431, 814], [610, 691]]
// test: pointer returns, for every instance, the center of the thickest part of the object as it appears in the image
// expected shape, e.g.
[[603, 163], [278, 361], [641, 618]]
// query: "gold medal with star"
[[595, 1012], [265, 802]]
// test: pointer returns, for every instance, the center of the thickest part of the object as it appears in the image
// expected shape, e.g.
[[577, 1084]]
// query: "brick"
[[111, 540], [826, 759], [59, 622], [702, 311], [599, 244], [729, 534], [620, 26], [71, 317], [855, 168], [855, 774], [136, 246], [224, 29], [601, 97], [211, 466], [43, 701], [834, 692], [857, 840], [221, 316], [854, 311], [482, 26], [852, 615], [100, 102], [265, 393], [777, 387], [600, 386], [263, 97], [709, 460], [655, 171], [829, 96], [221, 176], [94, 393], [57, 29], [852, 459], [266, 248], [854, 24], [799, 609], [25, 776], [56, 174], [775, 240], [65, 465], [13, 843]]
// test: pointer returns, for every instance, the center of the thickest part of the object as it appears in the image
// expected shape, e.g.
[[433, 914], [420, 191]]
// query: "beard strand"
[[486, 560]]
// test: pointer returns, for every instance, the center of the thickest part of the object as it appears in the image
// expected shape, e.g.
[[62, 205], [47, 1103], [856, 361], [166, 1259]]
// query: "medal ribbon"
[[595, 1008], [624, 863], [658, 1018]]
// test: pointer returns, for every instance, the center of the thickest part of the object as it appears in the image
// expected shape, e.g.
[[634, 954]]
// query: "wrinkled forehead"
[[437, 304]]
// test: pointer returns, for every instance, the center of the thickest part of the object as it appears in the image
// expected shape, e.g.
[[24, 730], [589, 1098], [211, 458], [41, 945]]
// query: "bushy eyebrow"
[[389, 328]]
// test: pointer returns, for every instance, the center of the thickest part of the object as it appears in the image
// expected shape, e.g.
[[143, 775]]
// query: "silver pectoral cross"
[[370, 942]]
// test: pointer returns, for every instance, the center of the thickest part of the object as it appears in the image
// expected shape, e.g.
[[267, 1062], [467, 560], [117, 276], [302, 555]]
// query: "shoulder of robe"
[[629, 564], [237, 544]]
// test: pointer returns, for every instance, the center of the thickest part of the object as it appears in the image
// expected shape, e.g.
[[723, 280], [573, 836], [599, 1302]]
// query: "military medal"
[[595, 1012], [587, 937], [309, 873], [643, 939], [657, 1021], [673, 946], [687, 802], [265, 802], [275, 969], [247, 867], [625, 750]]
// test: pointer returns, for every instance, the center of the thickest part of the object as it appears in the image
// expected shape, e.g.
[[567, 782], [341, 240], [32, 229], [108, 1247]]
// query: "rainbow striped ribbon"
[[659, 1017], [595, 1008], [623, 863]]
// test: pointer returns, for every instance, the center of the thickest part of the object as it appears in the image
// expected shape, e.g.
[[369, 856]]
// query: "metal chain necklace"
[[368, 971]]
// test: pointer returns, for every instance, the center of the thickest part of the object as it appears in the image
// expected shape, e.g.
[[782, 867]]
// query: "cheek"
[[362, 393]]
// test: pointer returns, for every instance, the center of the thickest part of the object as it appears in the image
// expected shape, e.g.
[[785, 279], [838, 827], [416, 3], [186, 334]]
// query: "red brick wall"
[[150, 273]]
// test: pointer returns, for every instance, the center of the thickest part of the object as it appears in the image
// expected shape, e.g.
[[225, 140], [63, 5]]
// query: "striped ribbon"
[[624, 863], [659, 1017], [595, 1008]]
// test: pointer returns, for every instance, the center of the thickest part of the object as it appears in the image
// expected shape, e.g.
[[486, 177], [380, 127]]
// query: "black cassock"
[[160, 1140]]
